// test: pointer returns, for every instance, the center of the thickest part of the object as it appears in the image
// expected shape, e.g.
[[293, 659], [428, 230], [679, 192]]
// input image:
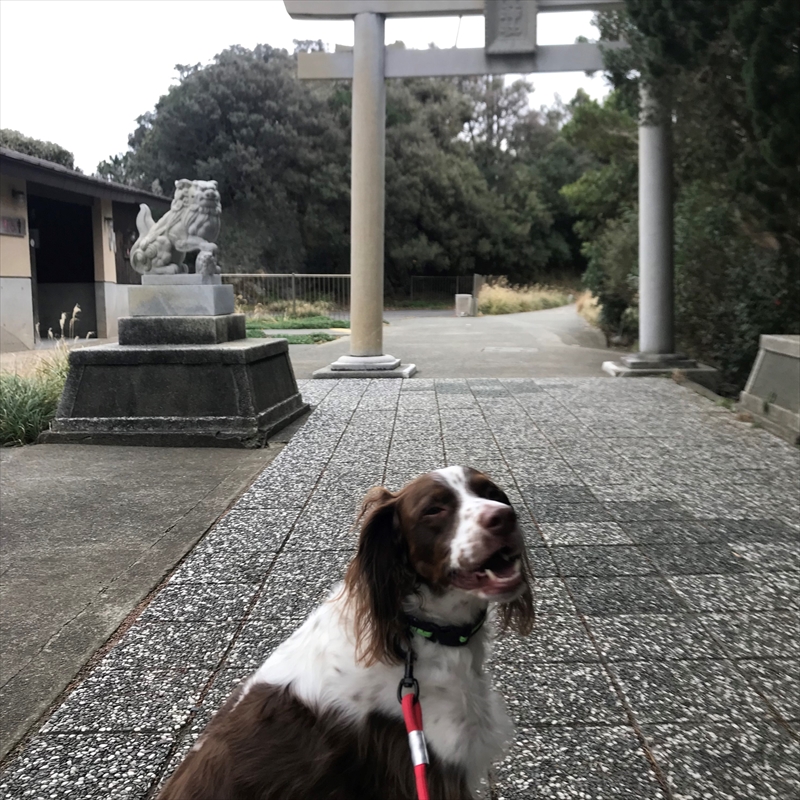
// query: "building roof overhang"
[[46, 173]]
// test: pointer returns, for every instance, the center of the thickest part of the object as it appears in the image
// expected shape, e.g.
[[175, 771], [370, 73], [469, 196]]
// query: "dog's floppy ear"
[[519, 614], [377, 580]]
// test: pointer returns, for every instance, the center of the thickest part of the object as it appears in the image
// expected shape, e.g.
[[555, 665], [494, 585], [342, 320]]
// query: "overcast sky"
[[79, 72]]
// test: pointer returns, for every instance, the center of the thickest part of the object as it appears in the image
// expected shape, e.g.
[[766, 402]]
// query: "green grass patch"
[[434, 305], [28, 402], [300, 338], [290, 323]]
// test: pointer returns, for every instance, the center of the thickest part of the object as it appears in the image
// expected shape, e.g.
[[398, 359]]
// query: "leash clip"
[[408, 681]]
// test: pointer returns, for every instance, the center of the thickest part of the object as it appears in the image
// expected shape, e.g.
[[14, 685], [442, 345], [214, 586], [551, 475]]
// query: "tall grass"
[[284, 308], [588, 306], [66, 324], [501, 297], [29, 402]]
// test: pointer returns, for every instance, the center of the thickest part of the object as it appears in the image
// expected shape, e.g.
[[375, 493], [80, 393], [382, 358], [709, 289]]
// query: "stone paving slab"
[[665, 538]]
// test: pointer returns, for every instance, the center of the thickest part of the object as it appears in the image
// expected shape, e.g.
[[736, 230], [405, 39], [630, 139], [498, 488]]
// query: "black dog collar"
[[448, 635]]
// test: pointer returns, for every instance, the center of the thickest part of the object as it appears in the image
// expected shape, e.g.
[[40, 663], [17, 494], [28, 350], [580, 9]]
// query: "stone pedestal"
[[772, 394], [182, 375], [182, 330], [228, 395], [180, 300]]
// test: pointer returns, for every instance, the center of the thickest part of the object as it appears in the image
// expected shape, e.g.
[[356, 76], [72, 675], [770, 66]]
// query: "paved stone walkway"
[[666, 544]]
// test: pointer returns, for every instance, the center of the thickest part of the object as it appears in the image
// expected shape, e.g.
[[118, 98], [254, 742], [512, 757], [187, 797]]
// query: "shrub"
[[501, 297], [288, 323], [29, 402], [612, 273], [732, 283]]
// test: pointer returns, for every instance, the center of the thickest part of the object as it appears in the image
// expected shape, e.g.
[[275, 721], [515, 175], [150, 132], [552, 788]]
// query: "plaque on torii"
[[510, 48]]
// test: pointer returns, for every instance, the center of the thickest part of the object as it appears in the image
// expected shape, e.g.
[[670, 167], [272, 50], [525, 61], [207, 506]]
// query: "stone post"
[[367, 189], [366, 358], [656, 272], [657, 354]]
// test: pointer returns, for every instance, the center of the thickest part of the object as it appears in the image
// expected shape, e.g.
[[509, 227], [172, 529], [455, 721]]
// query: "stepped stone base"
[[694, 371], [401, 371], [233, 394], [182, 330]]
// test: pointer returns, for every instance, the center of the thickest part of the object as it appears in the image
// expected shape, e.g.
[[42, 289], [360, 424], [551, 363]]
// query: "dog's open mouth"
[[500, 574]]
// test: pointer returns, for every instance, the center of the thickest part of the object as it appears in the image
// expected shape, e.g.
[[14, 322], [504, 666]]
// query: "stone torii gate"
[[510, 48]]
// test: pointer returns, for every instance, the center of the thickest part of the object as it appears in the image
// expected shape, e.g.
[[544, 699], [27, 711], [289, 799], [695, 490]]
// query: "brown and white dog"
[[320, 717]]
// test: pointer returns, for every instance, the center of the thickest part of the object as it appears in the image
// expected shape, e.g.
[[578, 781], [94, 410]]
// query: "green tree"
[[472, 175], [277, 148], [725, 68], [604, 198], [14, 140]]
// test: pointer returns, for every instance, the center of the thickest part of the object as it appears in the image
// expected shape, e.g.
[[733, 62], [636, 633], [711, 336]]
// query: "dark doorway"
[[64, 257], [126, 232]]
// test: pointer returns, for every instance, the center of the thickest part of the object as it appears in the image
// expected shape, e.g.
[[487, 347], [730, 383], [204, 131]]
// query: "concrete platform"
[[549, 343], [87, 533], [665, 540]]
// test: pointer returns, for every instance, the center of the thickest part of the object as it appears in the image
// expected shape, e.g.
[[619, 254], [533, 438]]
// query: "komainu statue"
[[192, 223]]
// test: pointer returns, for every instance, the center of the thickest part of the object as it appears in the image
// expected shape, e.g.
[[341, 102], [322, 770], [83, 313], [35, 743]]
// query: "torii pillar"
[[510, 48], [657, 354]]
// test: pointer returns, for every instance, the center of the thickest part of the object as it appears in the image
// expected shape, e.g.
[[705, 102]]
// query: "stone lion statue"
[[192, 223]]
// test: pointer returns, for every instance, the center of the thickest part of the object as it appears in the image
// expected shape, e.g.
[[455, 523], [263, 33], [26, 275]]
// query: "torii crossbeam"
[[510, 47]]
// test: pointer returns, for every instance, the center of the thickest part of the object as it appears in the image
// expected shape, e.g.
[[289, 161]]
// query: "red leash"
[[412, 714]]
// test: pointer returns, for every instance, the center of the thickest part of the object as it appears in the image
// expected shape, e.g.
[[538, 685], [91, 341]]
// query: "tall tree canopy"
[[472, 174]]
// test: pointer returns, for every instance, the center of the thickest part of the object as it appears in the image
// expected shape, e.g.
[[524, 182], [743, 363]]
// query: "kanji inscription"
[[510, 27]]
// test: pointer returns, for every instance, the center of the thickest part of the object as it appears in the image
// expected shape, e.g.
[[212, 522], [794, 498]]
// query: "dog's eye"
[[432, 511]]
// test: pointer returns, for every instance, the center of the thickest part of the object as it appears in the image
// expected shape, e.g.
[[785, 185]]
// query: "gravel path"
[[664, 537]]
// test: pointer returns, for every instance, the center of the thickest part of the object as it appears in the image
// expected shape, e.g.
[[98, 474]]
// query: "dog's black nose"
[[498, 520]]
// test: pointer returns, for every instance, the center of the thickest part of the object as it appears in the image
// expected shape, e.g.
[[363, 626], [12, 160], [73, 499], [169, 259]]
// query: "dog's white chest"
[[465, 720]]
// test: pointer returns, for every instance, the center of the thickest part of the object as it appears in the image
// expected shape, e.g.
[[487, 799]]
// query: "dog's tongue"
[[496, 576]]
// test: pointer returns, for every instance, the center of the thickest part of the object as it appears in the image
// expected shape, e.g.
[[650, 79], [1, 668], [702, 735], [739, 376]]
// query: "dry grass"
[[588, 307], [501, 297], [29, 402], [278, 309], [29, 396]]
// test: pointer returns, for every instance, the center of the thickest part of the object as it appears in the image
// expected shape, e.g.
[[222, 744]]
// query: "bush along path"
[[664, 540], [259, 327], [289, 323], [29, 402]]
